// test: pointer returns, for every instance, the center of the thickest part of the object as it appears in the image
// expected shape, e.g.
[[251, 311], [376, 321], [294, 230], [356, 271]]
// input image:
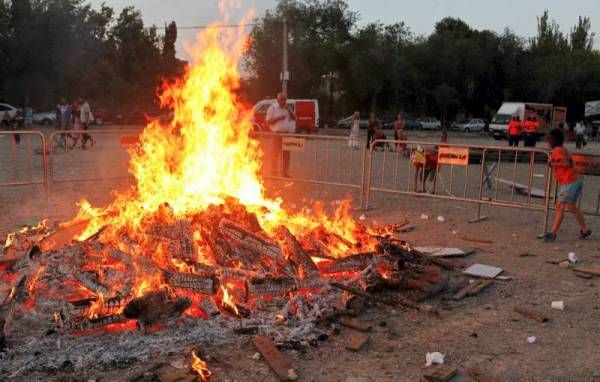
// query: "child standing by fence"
[[571, 185]]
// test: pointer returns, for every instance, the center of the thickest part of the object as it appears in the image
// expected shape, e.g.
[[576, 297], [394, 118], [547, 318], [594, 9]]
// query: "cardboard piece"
[[445, 251], [482, 270]]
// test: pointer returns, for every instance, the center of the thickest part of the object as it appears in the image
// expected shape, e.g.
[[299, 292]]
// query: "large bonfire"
[[204, 165], [196, 235]]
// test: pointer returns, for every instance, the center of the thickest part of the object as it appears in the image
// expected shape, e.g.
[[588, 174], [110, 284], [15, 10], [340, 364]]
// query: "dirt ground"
[[482, 331]]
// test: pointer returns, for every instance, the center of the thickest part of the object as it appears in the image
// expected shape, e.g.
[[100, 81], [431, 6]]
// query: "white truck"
[[547, 115]]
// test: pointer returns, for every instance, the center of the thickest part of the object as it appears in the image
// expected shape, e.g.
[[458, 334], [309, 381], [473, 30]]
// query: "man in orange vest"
[[514, 131], [531, 127]]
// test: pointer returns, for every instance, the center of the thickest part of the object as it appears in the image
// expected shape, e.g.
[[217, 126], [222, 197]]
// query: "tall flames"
[[204, 157]]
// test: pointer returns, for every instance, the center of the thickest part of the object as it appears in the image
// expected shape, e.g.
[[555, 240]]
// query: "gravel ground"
[[481, 331]]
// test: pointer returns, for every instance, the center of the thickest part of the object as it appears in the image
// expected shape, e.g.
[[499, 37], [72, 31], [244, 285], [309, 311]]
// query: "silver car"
[[429, 123], [474, 124]]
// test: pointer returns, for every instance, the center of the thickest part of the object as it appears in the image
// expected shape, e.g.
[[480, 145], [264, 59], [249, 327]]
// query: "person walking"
[[85, 118], [371, 128], [399, 134], [279, 118], [571, 186], [514, 131], [354, 131], [579, 135]]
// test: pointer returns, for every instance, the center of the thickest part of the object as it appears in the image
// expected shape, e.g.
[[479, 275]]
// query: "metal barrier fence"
[[483, 175], [113, 163], [19, 155], [319, 159]]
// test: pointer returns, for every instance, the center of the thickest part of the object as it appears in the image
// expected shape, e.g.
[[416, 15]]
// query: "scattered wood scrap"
[[356, 340], [439, 373], [472, 289], [474, 240], [529, 313], [280, 364], [588, 271], [479, 376], [354, 324]]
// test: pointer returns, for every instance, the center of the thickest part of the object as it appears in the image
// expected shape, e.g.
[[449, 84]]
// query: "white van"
[[546, 114]]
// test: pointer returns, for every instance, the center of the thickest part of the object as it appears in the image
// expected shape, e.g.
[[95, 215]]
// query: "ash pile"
[[122, 296]]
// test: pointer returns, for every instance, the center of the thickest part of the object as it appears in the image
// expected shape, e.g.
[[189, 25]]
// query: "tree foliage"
[[455, 71], [65, 48]]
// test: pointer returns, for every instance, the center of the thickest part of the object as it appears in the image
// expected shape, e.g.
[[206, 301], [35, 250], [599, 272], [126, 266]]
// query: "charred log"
[[305, 267], [155, 307], [205, 284]]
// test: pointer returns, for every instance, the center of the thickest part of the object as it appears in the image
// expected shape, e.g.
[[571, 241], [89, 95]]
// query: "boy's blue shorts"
[[569, 193]]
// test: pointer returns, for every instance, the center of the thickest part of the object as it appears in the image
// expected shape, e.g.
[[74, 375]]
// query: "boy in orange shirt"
[[571, 185]]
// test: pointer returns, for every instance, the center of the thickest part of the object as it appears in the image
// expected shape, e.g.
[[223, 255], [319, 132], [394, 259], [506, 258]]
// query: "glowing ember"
[[200, 367], [34, 279]]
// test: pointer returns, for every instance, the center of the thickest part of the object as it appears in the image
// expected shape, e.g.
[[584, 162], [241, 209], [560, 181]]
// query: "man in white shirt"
[[279, 118], [579, 135], [85, 116]]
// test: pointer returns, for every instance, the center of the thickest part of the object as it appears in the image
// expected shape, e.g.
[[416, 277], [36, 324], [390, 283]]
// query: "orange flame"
[[96, 307], [227, 301], [203, 157], [200, 367], [35, 278]]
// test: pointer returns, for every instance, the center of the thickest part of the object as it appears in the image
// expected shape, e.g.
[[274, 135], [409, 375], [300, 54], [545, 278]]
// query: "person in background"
[[579, 135], [354, 131], [371, 128], [425, 163], [529, 126], [444, 137], [571, 132], [571, 185], [64, 122], [85, 117], [399, 133], [279, 118], [514, 131], [76, 121]]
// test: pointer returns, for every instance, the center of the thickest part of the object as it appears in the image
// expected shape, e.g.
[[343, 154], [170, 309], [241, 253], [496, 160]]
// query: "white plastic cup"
[[560, 305]]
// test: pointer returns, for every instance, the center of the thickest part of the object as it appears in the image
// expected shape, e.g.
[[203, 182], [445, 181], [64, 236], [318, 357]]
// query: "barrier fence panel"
[[313, 158], [23, 158], [107, 159], [501, 176], [589, 166]]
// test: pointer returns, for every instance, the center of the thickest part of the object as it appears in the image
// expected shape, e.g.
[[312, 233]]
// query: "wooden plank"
[[534, 315], [588, 271], [440, 373], [354, 324], [356, 340], [479, 376], [465, 291], [276, 360], [63, 236], [474, 240], [481, 285]]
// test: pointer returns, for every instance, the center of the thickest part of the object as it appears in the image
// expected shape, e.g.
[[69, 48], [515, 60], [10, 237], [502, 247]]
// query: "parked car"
[[412, 124], [346, 123], [7, 113], [306, 110], [101, 116], [473, 124], [45, 118], [429, 123]]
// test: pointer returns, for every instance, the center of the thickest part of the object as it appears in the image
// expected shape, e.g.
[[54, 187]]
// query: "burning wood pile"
[[276, 284], [194, 248]]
